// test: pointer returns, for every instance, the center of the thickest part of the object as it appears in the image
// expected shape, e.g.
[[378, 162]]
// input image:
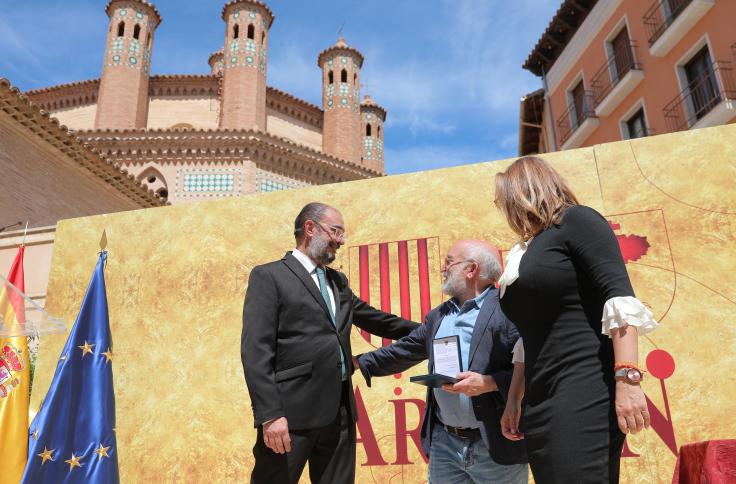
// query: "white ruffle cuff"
[[511, 269], [518, 352], [622, 311]]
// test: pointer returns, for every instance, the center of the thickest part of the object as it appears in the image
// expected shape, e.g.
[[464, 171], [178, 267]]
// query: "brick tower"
[[373, 117], [122, 101], [215, 61], [341, 135], [244, 65]]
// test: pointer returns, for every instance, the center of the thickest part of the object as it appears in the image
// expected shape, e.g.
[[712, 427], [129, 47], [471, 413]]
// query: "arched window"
[[263, 37], [137, 32], [368, 129], [331, 77], [355, 78], [121, 29], [236, 31], [251, 31], [344, 76], [148, 39], [378, 132]]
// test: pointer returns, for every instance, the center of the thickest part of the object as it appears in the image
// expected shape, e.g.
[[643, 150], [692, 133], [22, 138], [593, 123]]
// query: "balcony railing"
[[700, 97], [574, 117], [661, 15], [610, 74]]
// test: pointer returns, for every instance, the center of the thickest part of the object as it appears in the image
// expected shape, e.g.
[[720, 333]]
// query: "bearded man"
[[461, 430], [295, 347]]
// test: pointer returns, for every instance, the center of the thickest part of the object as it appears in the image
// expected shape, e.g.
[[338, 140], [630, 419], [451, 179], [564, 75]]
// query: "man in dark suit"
[[296, 354], [461, 431]]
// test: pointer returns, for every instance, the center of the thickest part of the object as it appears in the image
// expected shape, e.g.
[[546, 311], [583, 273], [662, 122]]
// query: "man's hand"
[[276, 435], [510, 421], [472, 384]]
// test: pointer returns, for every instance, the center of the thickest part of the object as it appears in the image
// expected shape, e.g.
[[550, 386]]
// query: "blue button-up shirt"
[[454, 409]]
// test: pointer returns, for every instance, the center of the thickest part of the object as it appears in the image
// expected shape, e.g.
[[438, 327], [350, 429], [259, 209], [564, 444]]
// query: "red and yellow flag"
[[15, 375]]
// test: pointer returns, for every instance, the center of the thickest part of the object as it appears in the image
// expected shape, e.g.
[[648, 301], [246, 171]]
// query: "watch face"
[[633, 375]]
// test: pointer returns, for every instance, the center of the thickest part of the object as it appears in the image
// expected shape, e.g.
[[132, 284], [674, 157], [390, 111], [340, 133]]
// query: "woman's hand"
[[631, 408], [510, 421]]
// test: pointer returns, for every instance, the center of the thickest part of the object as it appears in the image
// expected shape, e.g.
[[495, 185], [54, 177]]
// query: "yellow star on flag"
[[46, 455], [86, 348], [73, 462], [102, 451], [108, 354]]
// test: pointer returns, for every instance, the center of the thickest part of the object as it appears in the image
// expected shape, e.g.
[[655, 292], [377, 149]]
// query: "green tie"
[[326, 296]]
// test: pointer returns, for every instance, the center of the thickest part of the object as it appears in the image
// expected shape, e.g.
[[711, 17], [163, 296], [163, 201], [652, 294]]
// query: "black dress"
[[566, 275]]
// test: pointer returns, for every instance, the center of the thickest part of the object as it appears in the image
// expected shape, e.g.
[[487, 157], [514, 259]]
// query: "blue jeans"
[[458, 460]]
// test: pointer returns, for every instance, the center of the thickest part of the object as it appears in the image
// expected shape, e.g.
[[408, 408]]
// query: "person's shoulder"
[[581, 214], [338, 276]]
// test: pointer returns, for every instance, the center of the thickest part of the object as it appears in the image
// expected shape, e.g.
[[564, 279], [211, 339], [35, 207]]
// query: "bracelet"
[[627, 364]]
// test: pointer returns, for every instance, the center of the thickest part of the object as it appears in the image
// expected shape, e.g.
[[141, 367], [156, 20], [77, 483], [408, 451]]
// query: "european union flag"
[[72, 438]]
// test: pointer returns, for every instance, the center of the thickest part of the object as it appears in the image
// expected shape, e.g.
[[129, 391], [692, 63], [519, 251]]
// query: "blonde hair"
[[532, 196]]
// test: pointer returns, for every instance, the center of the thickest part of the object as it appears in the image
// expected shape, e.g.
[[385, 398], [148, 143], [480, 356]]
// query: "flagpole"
[[25, 232]]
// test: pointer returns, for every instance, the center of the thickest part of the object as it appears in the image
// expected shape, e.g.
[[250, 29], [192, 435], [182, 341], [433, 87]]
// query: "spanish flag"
[[15, 378]]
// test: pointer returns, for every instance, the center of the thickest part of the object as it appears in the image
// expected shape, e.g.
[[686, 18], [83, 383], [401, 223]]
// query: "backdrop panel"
[[176, 277]]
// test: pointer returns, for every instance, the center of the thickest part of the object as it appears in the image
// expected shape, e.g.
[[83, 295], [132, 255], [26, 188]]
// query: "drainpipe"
[[549, 108]]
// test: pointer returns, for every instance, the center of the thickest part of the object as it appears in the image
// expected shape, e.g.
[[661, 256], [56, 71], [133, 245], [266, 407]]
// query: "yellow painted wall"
[[176, 278]]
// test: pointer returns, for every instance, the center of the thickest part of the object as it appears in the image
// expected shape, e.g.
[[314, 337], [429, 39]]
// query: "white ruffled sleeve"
[[518, 352], [619, 312]]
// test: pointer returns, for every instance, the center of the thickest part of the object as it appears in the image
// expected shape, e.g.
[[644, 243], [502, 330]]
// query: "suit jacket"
[[491, 344], [290, 348]]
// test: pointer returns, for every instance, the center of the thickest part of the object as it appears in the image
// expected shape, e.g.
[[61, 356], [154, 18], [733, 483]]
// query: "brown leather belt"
[[464, 433]]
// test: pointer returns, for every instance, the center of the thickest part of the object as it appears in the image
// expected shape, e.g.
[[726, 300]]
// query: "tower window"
[[251, 31], [331, 77], [355, 78], [148, 39], [378, 132], [236, 31], [121, 29], [263, 37], [368, 129], [137, 32], [344, 76]]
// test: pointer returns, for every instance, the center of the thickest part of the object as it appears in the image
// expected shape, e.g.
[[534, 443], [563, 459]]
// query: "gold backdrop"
[[176, 277]]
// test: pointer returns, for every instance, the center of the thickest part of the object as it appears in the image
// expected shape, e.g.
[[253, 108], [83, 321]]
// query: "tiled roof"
[[26, 113]]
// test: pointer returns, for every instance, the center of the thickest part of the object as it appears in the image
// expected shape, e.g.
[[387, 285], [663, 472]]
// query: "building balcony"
[[668, 21], [577, 123], [616, 79], [709, 100]]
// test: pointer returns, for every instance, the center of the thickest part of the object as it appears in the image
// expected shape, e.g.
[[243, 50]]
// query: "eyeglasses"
[[447, 264], [335, 232]]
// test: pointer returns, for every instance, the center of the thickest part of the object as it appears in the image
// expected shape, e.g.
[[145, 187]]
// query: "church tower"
[[340, 66], [373, 117], [122, 101], [244, 64]]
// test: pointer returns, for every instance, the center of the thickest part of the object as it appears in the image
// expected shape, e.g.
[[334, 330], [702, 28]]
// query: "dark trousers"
[[330, 451]]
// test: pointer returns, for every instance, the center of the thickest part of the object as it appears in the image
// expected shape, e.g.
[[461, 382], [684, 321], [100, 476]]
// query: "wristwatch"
[[628, 375]]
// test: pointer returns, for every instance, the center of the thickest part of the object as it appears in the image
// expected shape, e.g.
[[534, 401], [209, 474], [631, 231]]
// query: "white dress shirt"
[[311, 268]]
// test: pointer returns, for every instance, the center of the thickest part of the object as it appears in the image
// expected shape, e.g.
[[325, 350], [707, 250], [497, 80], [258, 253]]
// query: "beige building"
[[226, 133], [131, 140], [49, 174]]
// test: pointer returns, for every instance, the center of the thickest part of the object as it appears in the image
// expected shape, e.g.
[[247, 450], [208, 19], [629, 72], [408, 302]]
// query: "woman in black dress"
[[566, 288]]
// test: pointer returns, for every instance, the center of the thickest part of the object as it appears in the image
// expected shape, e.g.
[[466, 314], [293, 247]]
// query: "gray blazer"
[[493, 339]]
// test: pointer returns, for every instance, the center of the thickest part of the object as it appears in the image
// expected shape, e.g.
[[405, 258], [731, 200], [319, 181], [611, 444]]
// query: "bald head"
[[483, 254]]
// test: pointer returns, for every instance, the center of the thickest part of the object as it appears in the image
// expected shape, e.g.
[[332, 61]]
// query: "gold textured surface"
[[176, 277]]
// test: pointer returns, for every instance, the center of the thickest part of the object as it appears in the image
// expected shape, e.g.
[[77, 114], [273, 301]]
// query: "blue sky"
[[447, 71]]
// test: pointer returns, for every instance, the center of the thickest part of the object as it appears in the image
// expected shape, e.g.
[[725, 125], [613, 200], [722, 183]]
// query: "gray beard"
[[452, 286], [317, 250]]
